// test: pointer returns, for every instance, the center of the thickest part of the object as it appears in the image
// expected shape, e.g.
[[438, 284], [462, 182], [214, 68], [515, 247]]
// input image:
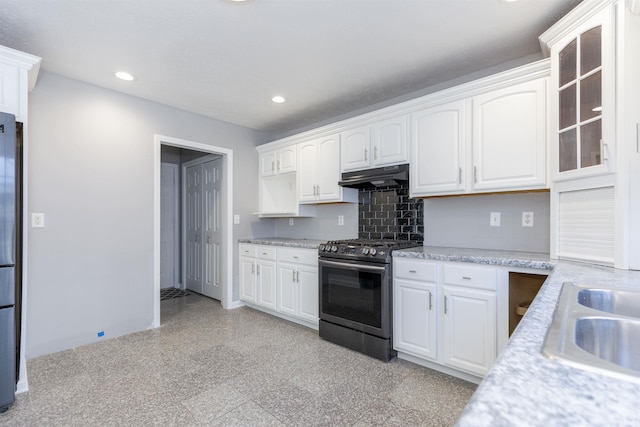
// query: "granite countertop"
[[525, 388], [283, 241]]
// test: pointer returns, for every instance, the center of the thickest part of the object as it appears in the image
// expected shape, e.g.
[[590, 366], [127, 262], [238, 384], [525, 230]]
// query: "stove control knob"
[[373, 251], [365, 251], [334, 248], [321, 248], [381, 253]]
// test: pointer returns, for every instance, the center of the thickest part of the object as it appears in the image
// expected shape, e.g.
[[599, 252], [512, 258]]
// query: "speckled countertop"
[[523, 388], [282, 241]]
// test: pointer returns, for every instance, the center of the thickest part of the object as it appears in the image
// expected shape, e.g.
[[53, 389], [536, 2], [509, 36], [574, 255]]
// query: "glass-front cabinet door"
[[582, 67]]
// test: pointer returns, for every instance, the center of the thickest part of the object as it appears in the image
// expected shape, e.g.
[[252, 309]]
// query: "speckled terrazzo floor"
[[207, 366]]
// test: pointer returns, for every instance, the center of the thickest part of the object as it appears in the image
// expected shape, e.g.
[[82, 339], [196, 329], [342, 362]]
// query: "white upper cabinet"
[[439, 146], [494, 141], [356, 149], [319, 172], [583, 97], [389, 141], [380, 144], [509, 138], [9, 89], [18, 73], [280, 161]]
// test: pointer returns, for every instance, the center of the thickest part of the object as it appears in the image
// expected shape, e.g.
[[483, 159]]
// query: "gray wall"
[[324, 226], [463, 222], [90, 170]]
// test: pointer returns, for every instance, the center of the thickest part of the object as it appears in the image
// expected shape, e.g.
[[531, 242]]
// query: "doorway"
[[224, 237]]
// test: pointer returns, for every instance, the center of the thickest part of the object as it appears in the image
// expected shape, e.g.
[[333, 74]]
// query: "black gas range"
[[355, 278]]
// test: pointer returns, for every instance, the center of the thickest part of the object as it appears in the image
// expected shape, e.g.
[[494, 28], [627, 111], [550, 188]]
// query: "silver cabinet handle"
[[459, 175], [365, 155], [475, 174], [295, 257], [273, 165], [375, 152], [445, 304], [258, 268], [253, 269], [293, 275], [430, 303], [412, 271], [466, 277], [298, 276]]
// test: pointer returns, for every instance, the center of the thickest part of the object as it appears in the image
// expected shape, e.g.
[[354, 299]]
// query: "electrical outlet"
[[494, 219], [37, 220], [340, 219], [290, 221], [527, 219], [236, 219]]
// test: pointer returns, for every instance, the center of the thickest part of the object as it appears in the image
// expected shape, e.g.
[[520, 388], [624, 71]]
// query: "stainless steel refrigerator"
[[8, 252]]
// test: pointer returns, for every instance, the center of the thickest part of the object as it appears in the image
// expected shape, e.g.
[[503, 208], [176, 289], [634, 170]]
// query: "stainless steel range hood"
[[378, 177]]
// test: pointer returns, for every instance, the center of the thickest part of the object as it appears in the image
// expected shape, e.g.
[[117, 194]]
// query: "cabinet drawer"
[[266, 252], [470, 276], [247, 250], [298, 256], [415, 270]]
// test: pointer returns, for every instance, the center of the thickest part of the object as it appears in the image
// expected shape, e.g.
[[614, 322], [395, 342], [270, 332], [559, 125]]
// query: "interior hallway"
[[206, 366]]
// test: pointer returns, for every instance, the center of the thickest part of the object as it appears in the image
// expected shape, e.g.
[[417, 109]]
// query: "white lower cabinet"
[[469, 324], [258, 275], [445, 314], [285, 284]]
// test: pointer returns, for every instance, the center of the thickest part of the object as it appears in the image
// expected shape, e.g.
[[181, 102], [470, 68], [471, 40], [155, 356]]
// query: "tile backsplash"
[[389, 213]]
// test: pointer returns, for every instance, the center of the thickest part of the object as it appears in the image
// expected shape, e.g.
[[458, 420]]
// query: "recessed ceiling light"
[[278, 99], [122, 75]]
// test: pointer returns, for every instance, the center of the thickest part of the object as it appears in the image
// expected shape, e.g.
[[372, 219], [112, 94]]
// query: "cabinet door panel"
[[438, 149], [355, 149], [267, 284], [308, 171], [287, 294], [469, 329], [268, 163], [389, 140], [509, 137], [248, 290], [329, 168], [307, 282], [286, 161], [414, 327]]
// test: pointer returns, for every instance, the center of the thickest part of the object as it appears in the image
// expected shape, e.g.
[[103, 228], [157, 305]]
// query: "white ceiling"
[[226, 60]]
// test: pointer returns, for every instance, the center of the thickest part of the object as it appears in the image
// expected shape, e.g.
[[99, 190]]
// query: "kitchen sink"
[[613, 340], [625, 303], [596, 328]]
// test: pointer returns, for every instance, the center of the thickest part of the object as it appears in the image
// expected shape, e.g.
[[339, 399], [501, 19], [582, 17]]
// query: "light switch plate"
[[37, 220], [236, 219], [340, 219], [494, 219], [527, 219]]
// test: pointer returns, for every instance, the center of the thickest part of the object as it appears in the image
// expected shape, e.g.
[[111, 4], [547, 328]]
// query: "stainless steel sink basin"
[[613, 340], [596, 328], [625, 303]]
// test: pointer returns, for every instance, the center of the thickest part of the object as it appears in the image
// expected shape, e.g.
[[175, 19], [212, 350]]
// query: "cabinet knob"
[[466, 277], [412, 271]]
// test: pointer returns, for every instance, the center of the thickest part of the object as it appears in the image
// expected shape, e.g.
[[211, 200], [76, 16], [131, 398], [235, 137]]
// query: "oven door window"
[[353, 294]]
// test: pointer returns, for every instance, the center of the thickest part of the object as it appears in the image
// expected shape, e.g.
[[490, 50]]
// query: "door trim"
[[227, 241], [176, 224]]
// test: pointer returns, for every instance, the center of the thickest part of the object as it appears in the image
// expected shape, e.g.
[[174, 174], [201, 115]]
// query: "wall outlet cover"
[[527, 219], [37, 220]]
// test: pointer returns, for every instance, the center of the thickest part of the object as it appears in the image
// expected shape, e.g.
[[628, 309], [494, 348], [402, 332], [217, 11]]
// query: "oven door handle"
[[349, 266]]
